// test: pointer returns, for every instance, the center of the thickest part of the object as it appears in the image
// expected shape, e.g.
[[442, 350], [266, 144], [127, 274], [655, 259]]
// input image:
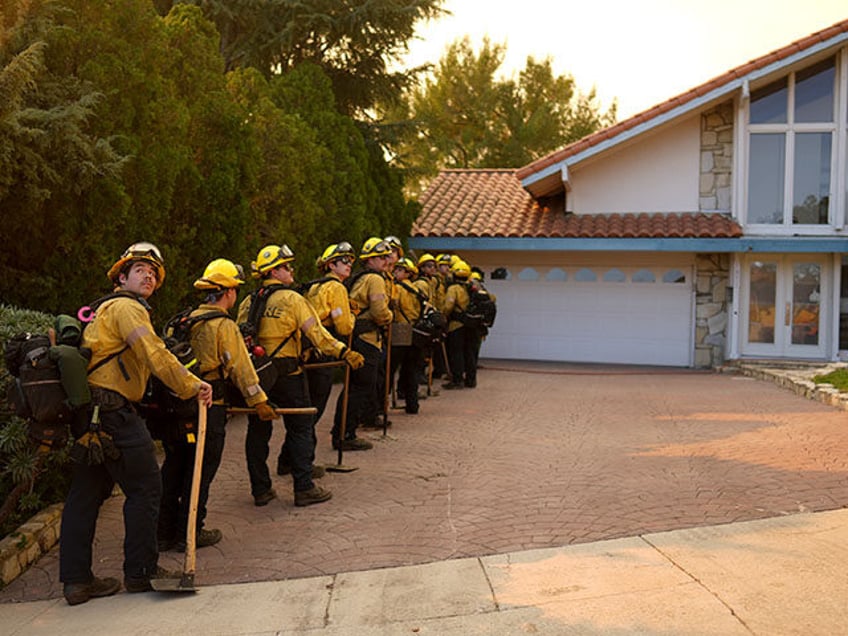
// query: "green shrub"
[[45, 478], [838, 378]]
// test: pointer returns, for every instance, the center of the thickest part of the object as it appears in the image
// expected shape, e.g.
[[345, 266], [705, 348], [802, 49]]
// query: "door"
[[784, 312]]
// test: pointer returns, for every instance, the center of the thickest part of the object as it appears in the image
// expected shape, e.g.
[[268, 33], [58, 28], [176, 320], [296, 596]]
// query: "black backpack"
[[263, 361], [49, 387], [430, 326], [481, 311], [169, 416]]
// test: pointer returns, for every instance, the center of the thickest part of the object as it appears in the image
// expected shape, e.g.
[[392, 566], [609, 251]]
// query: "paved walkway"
[[537, 457]]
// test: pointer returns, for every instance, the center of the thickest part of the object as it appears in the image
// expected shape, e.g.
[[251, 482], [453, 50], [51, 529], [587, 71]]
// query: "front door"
[[784, 312]]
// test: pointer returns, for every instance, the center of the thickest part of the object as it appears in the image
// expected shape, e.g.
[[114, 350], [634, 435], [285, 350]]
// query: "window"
[[585, 276], [528, 273], [791, 139], [644, 276], [556, 274], [614, 275], [674, 276]]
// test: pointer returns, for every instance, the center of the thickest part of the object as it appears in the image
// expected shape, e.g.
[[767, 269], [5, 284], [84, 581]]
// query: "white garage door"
[[639, 315]]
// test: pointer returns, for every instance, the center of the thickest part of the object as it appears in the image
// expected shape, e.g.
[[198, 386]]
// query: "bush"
[[28, 481]]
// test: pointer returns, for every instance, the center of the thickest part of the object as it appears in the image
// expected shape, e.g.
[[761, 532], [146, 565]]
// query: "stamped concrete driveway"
[[538, 455]]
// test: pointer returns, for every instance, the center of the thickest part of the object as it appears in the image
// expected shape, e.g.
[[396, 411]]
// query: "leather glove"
[[353, 358], [265, 411]]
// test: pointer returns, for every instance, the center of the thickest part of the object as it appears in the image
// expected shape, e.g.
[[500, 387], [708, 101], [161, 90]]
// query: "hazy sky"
[[641, 52]]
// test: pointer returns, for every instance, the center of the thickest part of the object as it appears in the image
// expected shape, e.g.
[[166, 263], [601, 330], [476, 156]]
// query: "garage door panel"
[[612, 322]]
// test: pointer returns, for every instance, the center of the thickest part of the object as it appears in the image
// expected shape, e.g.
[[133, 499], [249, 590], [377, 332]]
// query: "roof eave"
[[541, 181]]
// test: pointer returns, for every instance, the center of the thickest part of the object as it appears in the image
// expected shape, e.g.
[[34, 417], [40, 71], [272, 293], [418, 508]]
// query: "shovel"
[[186, 582]]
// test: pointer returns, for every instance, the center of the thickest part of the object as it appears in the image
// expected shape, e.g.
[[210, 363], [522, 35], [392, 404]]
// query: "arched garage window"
[[614, 275], [644, 276], [556, 274], [528, 273], [585, 275], [674, 276]]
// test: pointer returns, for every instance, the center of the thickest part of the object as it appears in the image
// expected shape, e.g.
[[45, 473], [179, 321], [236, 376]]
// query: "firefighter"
[[222, 360], [122, 335], [369, 295], [286, 319]]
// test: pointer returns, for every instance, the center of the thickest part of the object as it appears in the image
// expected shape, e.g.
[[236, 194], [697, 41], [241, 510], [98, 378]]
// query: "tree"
[[464, 116], [353, 41]]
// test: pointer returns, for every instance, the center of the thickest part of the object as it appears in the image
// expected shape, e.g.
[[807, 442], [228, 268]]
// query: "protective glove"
[[353, 358], [265, 411]]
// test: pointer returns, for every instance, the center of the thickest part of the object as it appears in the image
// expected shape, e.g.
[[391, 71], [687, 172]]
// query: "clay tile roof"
[[683, 98], [492, 203]]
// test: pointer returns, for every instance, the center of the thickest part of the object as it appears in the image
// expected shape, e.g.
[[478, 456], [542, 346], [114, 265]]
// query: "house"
[[710, 227]]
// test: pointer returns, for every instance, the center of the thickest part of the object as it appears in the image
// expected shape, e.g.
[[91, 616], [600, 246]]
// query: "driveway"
[[537, 456]]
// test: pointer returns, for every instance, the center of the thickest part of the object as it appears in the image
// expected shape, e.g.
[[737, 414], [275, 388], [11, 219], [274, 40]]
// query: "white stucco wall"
[[659, 173]]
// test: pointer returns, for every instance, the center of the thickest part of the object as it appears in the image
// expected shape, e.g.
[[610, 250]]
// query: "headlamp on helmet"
[[142, 251], [270, 257]]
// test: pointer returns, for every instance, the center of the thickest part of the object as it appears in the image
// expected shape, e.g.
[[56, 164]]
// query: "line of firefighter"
[[325, 322]]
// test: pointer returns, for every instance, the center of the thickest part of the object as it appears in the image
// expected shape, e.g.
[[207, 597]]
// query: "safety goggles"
[[344, 260], [289, 267], [144, 250]]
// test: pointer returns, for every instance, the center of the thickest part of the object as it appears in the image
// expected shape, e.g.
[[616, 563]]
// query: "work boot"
[[264, 498], [285, 469], [355, 444], [451, 386], [314, 495], [204, 539], [76, 593], [142, 583]]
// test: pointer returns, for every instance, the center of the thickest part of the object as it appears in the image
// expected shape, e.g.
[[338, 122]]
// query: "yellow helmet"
[[375, 246], [334, 252], [142, 251], [444, 258], [220, 274], [454, 258], [395, 244], [476, 275], [408, 265], [460, 269], [426, 258], [269, 257]]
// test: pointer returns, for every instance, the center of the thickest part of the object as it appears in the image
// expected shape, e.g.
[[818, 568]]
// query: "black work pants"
[[462, 357], [298, 450], [137, 473], [363, 383], [320, 386], [409, 359], [177, 473]]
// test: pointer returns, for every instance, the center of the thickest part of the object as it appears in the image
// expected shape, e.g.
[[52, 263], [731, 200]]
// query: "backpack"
[[481, 311], [263, 362], [430, 326], [168, 415], [49, 387]]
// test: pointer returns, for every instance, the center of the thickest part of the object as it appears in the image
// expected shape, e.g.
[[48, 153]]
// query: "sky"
[[640, 52]]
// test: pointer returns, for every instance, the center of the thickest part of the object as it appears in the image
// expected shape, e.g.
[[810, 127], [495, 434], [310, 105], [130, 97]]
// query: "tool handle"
[[324, 365], [191, 526], [300, 410]]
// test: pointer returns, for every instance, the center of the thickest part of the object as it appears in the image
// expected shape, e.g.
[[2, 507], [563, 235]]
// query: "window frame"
[[838, 131]]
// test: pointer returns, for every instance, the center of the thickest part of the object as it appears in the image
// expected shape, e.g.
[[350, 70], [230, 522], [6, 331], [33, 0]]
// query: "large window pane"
[[765, 178], [769, 103], [761, 309], [811, 184], [814, 93]]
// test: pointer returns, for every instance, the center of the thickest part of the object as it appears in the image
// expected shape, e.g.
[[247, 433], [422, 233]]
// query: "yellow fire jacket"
[[332, 305], [369, 293], [221, 354], [456, 299], [288, 314], [123, 322]]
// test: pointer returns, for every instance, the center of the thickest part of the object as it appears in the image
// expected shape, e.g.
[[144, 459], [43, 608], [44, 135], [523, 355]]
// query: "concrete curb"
[[24, 546], [800, 380]]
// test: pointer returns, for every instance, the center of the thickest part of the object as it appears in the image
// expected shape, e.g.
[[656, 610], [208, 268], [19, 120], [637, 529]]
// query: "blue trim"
[[788, 245]]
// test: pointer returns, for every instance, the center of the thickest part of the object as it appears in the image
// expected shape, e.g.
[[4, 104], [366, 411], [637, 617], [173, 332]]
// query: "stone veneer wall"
[[716, 159], [712, 273]]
